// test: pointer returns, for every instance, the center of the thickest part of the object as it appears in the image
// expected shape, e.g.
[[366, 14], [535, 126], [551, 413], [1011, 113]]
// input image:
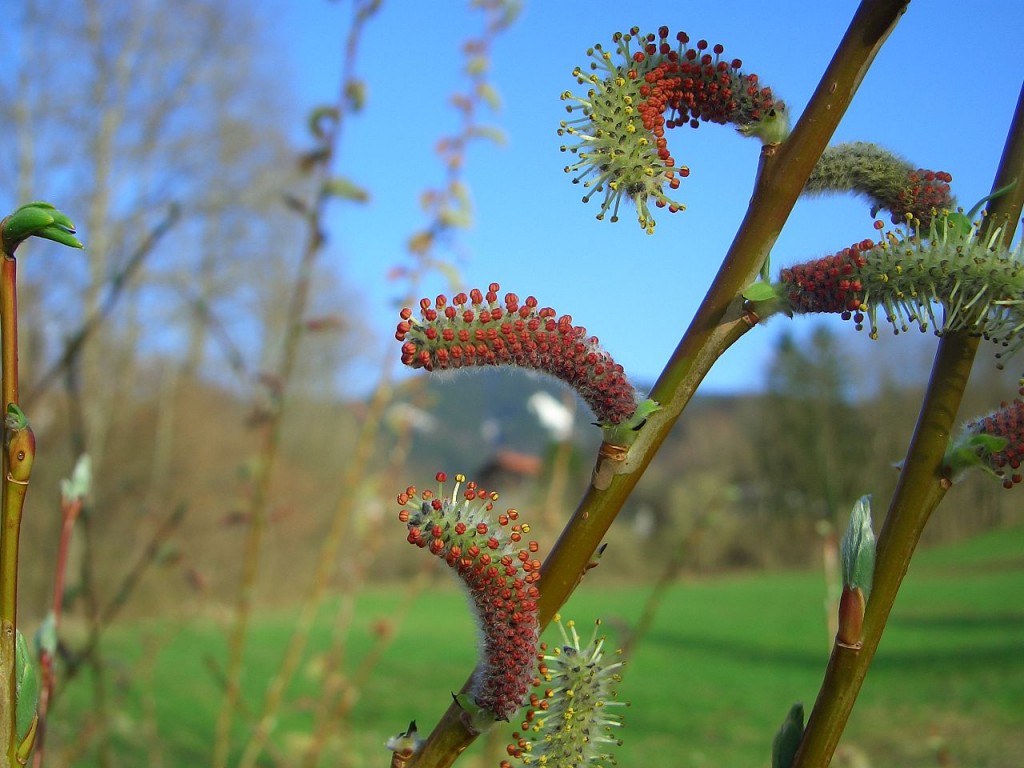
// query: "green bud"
[[46, 635], [322, 120], [406, 744], [858, 548], [624, 433], [27, 685], [26, 220], [345, 189], [991, 443], [37, 219], [787, 740], [971, 452], [759, 291], [773, 128], [355, 94], [15, 420], [77, 486]]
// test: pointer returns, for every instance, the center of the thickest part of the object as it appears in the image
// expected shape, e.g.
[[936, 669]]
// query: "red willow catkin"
[[478, 330], [651, 83], [489, 552]]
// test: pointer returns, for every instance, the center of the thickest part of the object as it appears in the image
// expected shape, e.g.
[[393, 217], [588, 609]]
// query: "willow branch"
[[783, 172], [920, 489]]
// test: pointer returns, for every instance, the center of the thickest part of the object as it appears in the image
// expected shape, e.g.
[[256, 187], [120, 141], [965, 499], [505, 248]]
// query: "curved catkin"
[[572, 720], [650, 83], [489, 553], [478, 330], [889, 182], [948, 281]]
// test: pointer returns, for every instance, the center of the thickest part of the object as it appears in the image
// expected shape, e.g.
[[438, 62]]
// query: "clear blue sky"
[[941, 94]]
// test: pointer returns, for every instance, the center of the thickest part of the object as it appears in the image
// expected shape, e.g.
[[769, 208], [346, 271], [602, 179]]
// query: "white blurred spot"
[[552, 415]]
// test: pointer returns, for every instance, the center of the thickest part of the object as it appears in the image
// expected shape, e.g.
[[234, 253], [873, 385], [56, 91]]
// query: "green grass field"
[[708, 686]]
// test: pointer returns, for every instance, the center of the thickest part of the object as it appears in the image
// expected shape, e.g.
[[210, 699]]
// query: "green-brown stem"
[[716, 325], [920, 489], [12, 496]]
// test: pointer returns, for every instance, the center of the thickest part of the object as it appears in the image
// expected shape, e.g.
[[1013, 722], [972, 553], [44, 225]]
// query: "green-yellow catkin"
[[571, 723], [889, 182]]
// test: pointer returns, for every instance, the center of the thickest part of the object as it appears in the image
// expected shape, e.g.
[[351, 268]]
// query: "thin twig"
[[294, 328]]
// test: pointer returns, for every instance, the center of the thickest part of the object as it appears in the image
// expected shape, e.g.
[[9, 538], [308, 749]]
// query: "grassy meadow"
[[708, 685]]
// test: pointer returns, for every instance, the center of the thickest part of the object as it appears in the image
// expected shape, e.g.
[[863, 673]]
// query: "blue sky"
[[940, 94]]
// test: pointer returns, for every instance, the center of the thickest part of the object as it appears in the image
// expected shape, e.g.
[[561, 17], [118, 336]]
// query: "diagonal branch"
[[783, 173], [918, 493]]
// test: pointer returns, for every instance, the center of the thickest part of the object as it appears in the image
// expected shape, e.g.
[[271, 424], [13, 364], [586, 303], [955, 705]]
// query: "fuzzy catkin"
[[571, 723], [889, 182], [479, 330], [948, 282], [488, 552], [650, 83]]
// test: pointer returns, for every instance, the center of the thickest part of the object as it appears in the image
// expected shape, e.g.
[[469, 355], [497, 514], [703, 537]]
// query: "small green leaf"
[[759, 291], [490, 132], [26, 220], [26, 688], [59, 235], [957, 223], [345, 189], [321, 120], [77, 486], [455, 218], [624, 433], [355, 94], [773, 128], [477, 65], [37, 219], [489, 94], [971, 452], [787, 740], [460, 192], [46, 635], [15, 420], [451, 273]]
